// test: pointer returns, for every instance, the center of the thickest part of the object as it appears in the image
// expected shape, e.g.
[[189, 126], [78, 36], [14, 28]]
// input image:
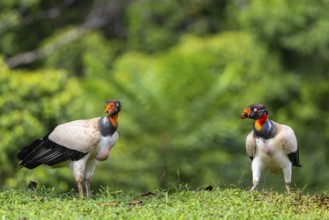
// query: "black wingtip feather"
[[45, 151], [294, 158], [27, 149]]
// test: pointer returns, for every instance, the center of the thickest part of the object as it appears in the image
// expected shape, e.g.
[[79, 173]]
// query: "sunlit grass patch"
[[230, 203]]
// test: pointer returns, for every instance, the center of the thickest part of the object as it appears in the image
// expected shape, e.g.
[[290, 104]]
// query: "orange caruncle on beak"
[[108, 107], [245, 113]]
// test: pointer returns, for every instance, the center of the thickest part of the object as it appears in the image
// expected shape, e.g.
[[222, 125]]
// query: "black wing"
[[45, 151], [294, 158]]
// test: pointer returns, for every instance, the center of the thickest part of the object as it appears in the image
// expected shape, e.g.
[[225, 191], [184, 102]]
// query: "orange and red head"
[[112, 107], [255, 111]]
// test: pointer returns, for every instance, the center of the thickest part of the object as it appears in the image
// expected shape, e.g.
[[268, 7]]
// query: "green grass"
[[229, 203]]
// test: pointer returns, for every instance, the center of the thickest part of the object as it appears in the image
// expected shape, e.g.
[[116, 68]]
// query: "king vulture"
[[270, 145], [79, 144]]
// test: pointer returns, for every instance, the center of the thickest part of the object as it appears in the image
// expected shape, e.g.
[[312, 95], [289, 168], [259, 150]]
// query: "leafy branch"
[[102, 13]]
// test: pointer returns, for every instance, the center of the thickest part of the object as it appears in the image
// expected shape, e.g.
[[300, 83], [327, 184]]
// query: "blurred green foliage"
[[30, 104], [184, 71], [154, 26]]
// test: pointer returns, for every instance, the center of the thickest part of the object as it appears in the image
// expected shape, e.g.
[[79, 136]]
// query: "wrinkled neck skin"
[[258, 124], [114, 119]]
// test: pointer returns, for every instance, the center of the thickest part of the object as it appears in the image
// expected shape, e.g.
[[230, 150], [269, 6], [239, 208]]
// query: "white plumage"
[[270, 145], [79, 144]]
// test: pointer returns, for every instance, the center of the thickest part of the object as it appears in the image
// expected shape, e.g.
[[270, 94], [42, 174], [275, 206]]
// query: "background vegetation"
[[183, 70]]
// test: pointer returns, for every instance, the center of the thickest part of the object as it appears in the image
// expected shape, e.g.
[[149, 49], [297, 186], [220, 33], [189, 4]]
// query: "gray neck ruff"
[[105, 126]]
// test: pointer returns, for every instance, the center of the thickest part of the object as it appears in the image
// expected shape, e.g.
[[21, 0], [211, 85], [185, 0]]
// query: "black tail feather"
[[45, 151]]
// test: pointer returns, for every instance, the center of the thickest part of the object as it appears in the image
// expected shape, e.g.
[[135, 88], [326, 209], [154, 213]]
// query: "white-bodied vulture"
[[79, 144], [270, 145]]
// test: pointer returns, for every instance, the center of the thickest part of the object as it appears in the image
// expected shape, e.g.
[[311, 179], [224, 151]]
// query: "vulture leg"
[[256, 168], [287, 177], [90, 168], [288, 188], [88, 191], [80, 188], [78, 168], [254, 186]]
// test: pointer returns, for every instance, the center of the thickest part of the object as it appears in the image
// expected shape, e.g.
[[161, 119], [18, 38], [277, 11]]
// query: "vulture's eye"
[[255, 109]]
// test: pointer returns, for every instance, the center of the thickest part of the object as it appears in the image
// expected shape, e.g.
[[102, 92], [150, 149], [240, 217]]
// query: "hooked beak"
[[245, 114], [109, 108], [112, 108]]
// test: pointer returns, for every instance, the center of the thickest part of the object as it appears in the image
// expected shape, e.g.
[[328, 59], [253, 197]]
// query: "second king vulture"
[[270, 145], [79, 144]]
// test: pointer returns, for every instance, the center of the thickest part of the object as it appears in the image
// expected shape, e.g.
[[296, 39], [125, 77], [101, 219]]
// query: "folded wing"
[[251, 145], [69, 141], [287, 139]]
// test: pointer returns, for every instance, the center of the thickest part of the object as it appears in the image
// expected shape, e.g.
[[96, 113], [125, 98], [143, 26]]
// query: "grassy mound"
[[230, 203]]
